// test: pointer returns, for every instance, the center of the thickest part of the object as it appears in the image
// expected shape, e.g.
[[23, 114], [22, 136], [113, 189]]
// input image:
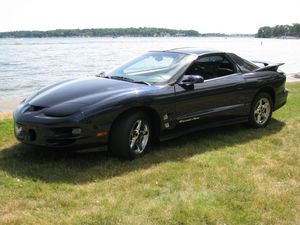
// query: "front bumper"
[[61, 137], [75, 132]]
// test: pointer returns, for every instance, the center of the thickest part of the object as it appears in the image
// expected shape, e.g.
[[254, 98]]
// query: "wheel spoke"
[[139, 124], [138, 147], [133, 141], [139, 144], [144, 131], [259, 118]]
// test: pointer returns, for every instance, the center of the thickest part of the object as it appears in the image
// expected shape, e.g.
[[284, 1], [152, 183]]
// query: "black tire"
[[262, 114], [124, 132]]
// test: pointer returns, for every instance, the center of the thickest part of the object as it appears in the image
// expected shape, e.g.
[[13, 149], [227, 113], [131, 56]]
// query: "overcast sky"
[[224, 16]]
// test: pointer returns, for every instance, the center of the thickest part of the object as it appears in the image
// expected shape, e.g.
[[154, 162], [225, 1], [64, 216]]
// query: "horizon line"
[[56, 29]]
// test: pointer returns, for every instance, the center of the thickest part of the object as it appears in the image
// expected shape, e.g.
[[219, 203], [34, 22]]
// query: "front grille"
[[57, 142], [64, 132], [62, 136]]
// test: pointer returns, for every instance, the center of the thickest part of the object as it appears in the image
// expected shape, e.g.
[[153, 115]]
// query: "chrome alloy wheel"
[[262, 111], [139, 136]]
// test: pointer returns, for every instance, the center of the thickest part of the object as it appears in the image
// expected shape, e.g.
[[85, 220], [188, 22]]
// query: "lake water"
[[29, 64]]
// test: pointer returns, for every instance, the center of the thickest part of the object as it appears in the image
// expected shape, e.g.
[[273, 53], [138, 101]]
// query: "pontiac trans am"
[[157, 96]]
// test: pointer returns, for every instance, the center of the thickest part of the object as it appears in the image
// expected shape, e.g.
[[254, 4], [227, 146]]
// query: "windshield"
[[152, 67]]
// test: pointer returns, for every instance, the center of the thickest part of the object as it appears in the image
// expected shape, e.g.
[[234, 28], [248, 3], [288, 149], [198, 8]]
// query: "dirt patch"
[[5, 115]]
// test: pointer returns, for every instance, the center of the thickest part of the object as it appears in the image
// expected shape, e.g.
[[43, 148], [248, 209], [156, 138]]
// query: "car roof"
[[193, 50]]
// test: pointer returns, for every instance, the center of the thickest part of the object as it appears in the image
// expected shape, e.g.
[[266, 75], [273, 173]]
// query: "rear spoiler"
[[260, 62], [267, 67]]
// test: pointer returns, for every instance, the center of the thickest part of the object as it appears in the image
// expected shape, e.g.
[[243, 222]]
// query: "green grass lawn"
[[230, 175]]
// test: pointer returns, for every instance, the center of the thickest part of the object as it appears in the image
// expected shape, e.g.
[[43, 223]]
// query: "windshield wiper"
[[122, 78], [142, 82], [129, 80]]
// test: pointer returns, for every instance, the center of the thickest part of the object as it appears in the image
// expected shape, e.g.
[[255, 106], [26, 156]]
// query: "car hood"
[[84, 91]]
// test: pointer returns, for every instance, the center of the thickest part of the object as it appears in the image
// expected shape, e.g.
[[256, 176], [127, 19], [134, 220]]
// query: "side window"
[[203, 59], [245, 65], [212, 66], [217, 58]]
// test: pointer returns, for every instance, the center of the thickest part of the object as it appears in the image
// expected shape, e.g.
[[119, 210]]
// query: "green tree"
[[265, 32], [279, 31]]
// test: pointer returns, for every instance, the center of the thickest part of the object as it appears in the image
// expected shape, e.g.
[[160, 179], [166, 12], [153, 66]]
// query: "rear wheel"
[[261, 110], [131, 135]]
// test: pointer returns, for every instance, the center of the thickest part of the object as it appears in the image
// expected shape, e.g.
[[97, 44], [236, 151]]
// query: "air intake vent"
[[34, 108]]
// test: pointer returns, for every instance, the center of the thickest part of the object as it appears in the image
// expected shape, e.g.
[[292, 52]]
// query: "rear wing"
[[260, 62], [267, 67]]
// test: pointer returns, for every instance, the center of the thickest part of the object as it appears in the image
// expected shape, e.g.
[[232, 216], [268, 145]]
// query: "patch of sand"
[[5, 115], [8, 105]]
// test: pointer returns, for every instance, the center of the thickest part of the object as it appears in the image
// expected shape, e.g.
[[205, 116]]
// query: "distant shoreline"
[[116, 37], [278, 31], [202, 36], [102, 32], [115, 33]]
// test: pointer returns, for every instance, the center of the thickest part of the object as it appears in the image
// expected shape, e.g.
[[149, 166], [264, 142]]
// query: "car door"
[[220, 96]]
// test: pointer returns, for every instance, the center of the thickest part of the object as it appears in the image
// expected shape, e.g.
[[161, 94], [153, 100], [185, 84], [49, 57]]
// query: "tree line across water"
[[102, 32], [279, 31], [115, 32], [263, 32]]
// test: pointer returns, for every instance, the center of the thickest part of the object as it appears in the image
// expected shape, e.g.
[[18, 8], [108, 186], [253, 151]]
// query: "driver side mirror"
[[189, 80], [101, 74]]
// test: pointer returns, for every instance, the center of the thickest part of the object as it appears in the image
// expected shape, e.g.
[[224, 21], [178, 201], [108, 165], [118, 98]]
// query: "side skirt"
[[177, 132]]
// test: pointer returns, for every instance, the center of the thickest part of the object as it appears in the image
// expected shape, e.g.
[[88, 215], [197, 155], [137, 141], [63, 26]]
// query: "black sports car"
[[159, 95]]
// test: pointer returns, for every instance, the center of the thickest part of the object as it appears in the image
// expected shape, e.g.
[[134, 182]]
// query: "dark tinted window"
[[212, 66], [245, 65]]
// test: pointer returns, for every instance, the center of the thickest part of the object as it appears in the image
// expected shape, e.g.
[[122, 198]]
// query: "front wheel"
[[261, 110], [130, 135]]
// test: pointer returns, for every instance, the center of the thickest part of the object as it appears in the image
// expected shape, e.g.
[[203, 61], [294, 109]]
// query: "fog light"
[[76, 131], [20, 133]]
